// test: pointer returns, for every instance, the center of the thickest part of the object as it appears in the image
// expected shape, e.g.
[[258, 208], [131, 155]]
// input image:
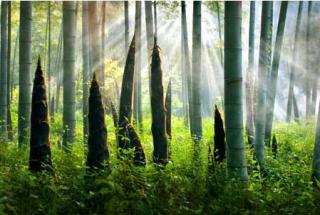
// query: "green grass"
[[183, 187]]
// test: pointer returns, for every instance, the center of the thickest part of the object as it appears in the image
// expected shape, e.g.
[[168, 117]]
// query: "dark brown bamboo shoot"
[[219, 137], [98, 154], [127, 136], [160, 142], [40, 153], [274, 146]]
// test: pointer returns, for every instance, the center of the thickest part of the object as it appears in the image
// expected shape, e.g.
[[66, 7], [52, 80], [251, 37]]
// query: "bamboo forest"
[[159, 107]]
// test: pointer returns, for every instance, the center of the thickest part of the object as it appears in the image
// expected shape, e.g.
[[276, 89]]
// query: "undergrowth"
[[182, 187]]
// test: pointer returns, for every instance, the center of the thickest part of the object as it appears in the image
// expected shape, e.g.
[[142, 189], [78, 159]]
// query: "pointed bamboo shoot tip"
[[155, 41], [39, 61]]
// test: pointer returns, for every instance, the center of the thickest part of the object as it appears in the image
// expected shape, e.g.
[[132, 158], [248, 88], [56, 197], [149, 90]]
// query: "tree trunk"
[[314, 93], [155, 19], [114, 117], [265, 37], [58, 70], [295, 108], [127, 137], [236, 161], [249, 79], [295, 57], [196, 72], [308, 75], [103, 40], [160, 142], [272, 86], [219, 30], [186, 67], [40, 153], [9, 77], [95, 42], [49, 56], [183, 70], [14, 62], [4, 72], [150, 35], [126, 26], [137, 108], [168, 110], [98, 154], [316, 154], [52, 102], [25, 72], [69, 82], [85, 67]]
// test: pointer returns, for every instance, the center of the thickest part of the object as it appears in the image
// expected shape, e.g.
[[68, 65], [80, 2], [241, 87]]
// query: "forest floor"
[[182, 187]]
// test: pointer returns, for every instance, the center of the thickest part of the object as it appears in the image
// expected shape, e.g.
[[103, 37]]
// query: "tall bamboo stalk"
[[236, 161]]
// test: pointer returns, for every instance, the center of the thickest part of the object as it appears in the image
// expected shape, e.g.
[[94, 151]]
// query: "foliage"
[[184, 186], [171, 8]]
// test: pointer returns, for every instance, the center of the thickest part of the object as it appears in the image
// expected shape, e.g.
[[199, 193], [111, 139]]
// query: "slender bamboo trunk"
[[3, 71], [45, 41], [137, 102], [295, 57], [155, 19], [236, 161], [196, 72], [220, 31], [265, 37], [150, 35], [183, 72], [168, 107], [249, 77], [9, 61], [25, 72], [58, 70], [69, 48], [295, 108], [9, 77], [95, 42], [103, 39], [126, 26], [186, 61], [52, 102], [316, 153], [308, 75], [114, 117], [85, 67], [272, 86], [14, 63], [49, 57], [314, 94]]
